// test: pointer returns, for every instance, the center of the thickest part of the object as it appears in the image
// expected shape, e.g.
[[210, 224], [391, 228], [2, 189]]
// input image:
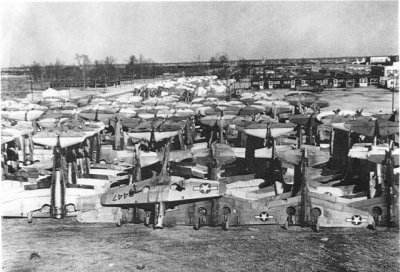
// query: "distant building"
[[388, 74], [80, 84], [382, 60], [317, 82], [385, 70]]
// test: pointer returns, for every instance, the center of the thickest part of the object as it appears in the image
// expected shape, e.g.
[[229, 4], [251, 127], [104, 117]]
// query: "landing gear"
[[159, 215], [147, 218], [372, 186], [200, 218], [30, 217], [372, 226], [317, 227], [286, 226], [315, 214], [226, 212], [118, 218], [197, 224], [377, 214], [226, 224], [121, 219], [290, 211]]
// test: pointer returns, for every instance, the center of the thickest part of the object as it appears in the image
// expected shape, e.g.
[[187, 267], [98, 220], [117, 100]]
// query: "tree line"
[[88, 70], [107, 70]]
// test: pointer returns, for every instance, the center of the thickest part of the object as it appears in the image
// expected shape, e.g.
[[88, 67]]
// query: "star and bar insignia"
[[356, 220], [263, 216], [205, 188]]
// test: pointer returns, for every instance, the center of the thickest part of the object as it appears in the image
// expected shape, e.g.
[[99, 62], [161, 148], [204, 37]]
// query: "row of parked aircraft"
[[165, 162]]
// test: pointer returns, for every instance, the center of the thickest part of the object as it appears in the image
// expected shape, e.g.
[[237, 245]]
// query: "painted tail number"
[[356, 220], [119, 196], [205, 188]]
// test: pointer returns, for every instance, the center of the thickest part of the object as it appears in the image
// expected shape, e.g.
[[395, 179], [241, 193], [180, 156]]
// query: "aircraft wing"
[[316, 156], [223, 155], [178, 191], [277, 129], [372, 127]]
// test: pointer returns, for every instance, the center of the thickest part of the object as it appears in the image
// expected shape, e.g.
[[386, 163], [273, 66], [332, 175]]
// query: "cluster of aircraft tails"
[[212, 161]]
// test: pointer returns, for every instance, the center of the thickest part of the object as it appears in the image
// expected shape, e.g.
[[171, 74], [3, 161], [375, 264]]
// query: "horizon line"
[[207, 61]]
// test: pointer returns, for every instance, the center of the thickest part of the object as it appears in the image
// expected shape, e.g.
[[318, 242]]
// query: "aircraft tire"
[[197, 224], [119, 222], [372, 226], [317, 229]]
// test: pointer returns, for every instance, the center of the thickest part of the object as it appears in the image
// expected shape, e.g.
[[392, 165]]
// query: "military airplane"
[[161, 193], [56, 198]]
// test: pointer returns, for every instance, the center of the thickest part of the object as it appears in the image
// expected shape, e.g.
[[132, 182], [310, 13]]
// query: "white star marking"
[[264, 216], [356, 220], [205, 188]]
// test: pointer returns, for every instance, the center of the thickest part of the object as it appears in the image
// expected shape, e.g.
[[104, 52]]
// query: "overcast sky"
[[188, 31]]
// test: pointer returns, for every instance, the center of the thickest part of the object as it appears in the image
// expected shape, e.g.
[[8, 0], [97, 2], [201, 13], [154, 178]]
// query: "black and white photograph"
[[200, 136]]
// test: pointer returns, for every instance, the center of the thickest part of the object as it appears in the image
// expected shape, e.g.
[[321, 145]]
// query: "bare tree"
[[58, 66], [108, 68], [53, 71], [83, 62], [130, 67], [142, 61], [97, 72], [36, 71], [213, 62], [243, 67], [223, 59], [49, 72], [223, 63]]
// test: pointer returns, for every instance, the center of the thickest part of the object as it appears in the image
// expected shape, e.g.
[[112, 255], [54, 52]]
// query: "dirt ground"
[[65, 245]]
